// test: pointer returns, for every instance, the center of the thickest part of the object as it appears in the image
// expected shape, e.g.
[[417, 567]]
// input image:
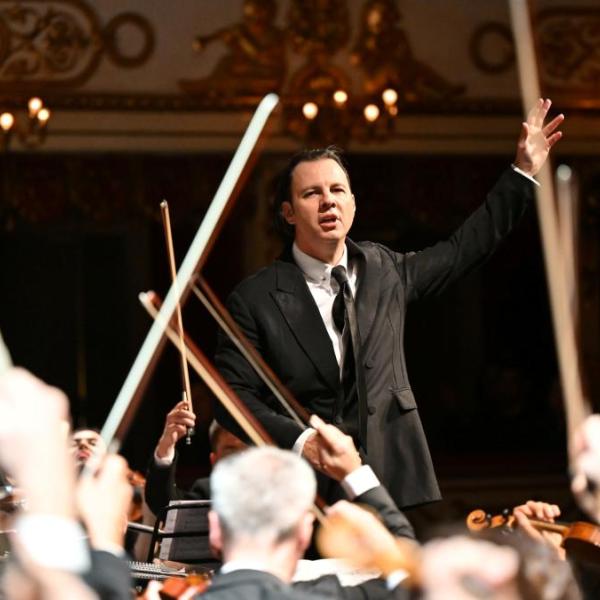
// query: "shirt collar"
[[243, 565], [314, 269]]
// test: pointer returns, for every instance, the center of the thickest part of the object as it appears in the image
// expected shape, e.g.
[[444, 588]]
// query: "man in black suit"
[[286, 312], [161, 486], [262, 523]]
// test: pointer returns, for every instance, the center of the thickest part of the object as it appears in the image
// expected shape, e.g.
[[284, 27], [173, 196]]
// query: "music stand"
[[183, 536]]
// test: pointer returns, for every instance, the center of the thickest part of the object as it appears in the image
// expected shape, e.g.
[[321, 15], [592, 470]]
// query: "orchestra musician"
[[262, 522], [286, 311], [87, 445], [56, 559], [160, 476]]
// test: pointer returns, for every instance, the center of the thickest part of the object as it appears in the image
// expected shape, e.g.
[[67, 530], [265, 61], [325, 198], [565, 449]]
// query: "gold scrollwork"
[[569, 41], [60, 43]]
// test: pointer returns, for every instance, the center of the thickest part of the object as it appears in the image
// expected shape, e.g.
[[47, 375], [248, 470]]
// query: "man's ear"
[[215, 533], [305, 531], [287, 211], [353, 202]]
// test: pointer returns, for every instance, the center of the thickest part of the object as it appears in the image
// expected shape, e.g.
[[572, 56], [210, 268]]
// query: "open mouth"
[[328, 220]]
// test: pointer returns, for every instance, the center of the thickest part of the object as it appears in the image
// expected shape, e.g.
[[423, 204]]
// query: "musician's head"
[[261, 505], [494, 564], [314, 204], [87, 444], [222, 443]]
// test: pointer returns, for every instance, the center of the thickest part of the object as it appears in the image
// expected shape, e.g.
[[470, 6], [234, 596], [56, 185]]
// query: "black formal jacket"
[[258, 585], [161, 488], [277, 312]]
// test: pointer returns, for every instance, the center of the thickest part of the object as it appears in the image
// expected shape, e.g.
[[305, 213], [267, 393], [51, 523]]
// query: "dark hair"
[[94, 429], [283, 187]]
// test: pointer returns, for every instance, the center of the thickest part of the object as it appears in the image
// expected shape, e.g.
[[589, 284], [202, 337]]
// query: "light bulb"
[[34, 105], [43, 116], [6, 121], [310, 110], [371, 112], [389, 96], [340, 97]]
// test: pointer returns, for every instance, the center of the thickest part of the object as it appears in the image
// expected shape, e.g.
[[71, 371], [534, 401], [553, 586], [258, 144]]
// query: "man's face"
[[322, 205], [85, 444]]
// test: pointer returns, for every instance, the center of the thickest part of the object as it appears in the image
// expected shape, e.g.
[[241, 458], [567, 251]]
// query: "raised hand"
[[176, 424], [331, 451], [103, 500], [585, 463], [33, 442], [536, 139]]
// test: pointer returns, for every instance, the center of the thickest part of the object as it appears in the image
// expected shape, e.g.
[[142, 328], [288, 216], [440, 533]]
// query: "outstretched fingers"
[[553, 138]]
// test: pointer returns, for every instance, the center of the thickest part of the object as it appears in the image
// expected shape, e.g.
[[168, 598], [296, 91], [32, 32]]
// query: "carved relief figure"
[[318, 29], [255, 64], [318, 26], [383, 51]]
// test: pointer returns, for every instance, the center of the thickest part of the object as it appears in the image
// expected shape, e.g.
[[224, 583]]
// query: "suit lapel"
[[298, 308], [369, 285]]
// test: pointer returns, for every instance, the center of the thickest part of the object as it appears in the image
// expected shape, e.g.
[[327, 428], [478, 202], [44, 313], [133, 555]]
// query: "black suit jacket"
[[258, 585], [109, 576], [161, 487], [276, 311]]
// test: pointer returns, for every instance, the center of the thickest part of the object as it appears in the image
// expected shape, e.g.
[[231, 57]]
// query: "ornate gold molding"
[[569, 44], [59, 44]]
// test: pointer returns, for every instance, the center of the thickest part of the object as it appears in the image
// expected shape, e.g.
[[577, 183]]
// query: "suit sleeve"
[[393, 518], [160, 485], [247, 384], [109, 576], [433, 269], [161, 488]]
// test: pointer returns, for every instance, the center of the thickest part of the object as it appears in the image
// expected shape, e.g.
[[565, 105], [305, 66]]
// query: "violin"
[[177, 588], [138, 482], [580, 540]]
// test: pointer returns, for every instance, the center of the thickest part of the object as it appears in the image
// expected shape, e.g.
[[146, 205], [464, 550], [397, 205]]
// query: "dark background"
[[81, 237]]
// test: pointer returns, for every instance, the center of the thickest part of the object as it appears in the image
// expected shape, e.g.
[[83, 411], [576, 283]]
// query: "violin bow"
[[185, 375], [121, 414], [218, 386], [554, 255], [227, 323], [5, 359]]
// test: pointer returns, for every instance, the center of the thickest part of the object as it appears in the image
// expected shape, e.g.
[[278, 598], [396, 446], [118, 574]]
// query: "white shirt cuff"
[[54, 542], [358, 482], [298, 446], [166, 461], [395, 578], [517, 170]]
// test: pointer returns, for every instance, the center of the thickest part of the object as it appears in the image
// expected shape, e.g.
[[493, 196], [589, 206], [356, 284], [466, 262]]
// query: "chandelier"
[[29, 129], [326, 98]]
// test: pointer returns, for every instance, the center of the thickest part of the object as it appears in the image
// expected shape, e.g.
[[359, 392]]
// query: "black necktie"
[[343, 312]]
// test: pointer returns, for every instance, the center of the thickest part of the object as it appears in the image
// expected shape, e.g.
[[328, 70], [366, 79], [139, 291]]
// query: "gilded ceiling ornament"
[[318, 27], [384, 53], [255, 64], [569, 42], [60, 43]]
